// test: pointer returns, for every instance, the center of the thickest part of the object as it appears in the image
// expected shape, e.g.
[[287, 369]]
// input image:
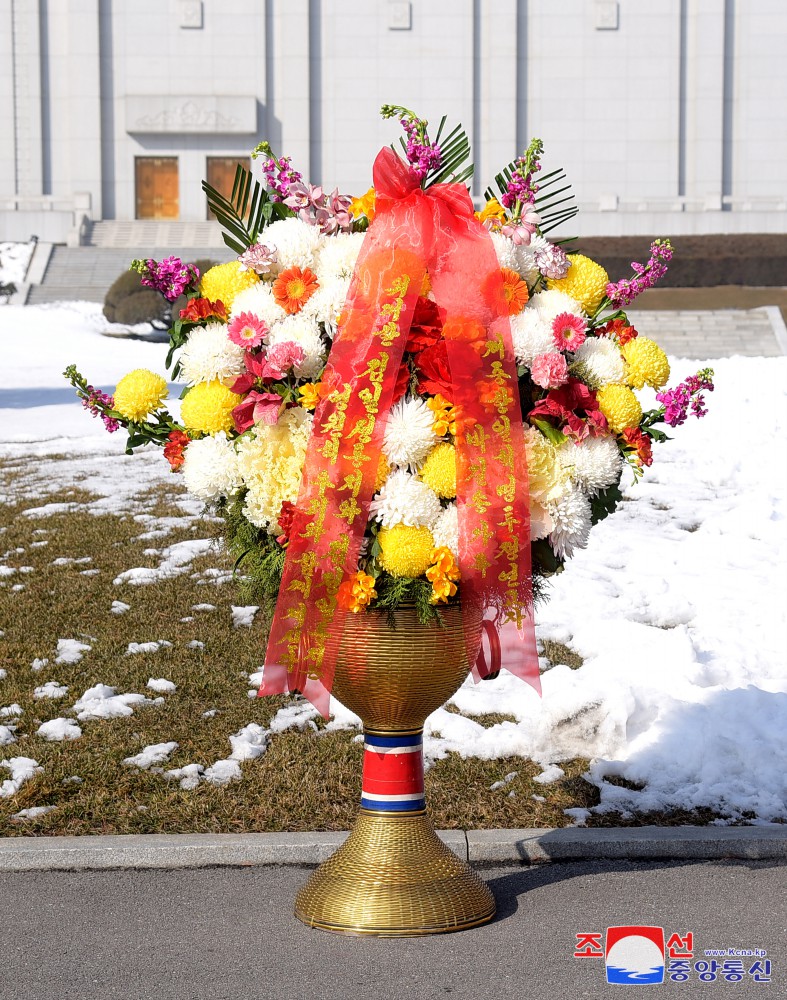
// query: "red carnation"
[[426, 328], [285, 519]]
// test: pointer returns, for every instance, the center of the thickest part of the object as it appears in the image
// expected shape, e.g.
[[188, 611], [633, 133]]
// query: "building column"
[[495, 86], [25, 60], [703, 100]]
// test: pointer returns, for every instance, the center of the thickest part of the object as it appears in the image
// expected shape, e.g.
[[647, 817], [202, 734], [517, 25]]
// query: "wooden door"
[[221, 174], [157, 187]]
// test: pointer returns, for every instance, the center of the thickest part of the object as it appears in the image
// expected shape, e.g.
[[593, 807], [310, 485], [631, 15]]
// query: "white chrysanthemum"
[[541, 522], [209, 354], [531, 335], [296, 243], [507, 251], [327, 303], [403, 499], [259, 301], [210, 468], [337, 257], [408, 434], [526, 258], [594, 464], [552, 303], [571, 514], [270, 461], [446, 530], [305, 332], [598, 362]]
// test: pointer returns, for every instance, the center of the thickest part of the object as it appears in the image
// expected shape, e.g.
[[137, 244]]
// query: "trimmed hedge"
[[699, 261]]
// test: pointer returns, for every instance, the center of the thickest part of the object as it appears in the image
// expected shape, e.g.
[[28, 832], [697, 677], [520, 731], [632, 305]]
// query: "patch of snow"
[[22, 769], [175, 560], [50, 690], [70, 560], [70, 650], [203, 607], [550, 773], [120, 607], [161, 685], [244, 616], [57, 730], [156, 753], [147, 647], [7, 735], [33, 812], [11, 711], [102, 702], [195, 644], [3, 674], [223, 772], [188, 777], [210, 713], [39, 664], [504, 781]]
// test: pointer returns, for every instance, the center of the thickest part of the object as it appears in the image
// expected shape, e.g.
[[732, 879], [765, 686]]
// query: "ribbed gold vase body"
[[393, 876]]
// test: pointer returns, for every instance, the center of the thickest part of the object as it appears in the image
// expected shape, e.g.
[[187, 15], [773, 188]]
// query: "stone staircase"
[[155, 235], [87, 272]]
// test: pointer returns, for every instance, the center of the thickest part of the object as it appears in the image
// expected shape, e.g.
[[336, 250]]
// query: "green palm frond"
[[246, 212], [456, 150], [553, 209]]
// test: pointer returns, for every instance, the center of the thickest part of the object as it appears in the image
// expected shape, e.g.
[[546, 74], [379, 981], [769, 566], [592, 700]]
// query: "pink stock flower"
[[568, 331], [330, 212], [247, 330], [281, 358], [257, 408], [550, 371]]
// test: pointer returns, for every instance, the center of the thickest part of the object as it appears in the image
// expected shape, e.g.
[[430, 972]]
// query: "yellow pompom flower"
[[586, 282], [620, 406], [646, 363], [207, 409], [140, 393], [383, 471], [439, 470], [309, 395], [364, 205], [545, 475], [225, 281], [404, 550]]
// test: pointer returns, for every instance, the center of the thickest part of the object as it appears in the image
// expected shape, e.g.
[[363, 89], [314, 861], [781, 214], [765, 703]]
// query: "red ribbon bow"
[[414, 232]]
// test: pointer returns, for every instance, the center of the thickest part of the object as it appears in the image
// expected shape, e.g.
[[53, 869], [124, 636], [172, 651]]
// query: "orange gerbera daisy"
[[294, 287], [515, 291]]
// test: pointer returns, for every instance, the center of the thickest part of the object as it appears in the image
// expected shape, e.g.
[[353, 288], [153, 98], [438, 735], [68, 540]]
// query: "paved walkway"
[[718, 333], [229, 933]]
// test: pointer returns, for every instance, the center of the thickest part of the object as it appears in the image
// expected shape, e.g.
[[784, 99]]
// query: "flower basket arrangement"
[[407, 412]]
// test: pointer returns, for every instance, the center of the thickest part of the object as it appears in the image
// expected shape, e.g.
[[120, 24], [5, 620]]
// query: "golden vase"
[[393, 876]]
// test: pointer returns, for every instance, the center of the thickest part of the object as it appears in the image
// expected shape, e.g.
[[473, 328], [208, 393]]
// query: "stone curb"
[[198, 850]]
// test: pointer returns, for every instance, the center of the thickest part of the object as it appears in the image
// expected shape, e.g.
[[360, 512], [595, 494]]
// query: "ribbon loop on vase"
[[415, 233]]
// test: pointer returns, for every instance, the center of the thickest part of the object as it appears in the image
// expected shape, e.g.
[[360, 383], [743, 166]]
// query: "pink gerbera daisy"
[[247, 330], [568, 331]]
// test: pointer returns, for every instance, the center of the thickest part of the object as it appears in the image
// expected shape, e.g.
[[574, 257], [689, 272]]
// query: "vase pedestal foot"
[[394, 877]]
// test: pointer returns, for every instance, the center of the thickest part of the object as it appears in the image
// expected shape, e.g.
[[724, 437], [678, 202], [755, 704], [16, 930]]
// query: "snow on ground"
[[14, 260], [676, 607], [156, 753], [102, 702], [58, 730], [22, 769]]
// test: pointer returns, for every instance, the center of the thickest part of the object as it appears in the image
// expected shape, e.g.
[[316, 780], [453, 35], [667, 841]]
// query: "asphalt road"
[[228, 933]]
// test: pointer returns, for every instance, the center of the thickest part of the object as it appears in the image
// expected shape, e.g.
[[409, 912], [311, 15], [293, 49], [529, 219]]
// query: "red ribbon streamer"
[[414, 231]]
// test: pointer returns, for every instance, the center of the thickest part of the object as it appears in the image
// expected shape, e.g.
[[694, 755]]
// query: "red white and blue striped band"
[[393, 773]]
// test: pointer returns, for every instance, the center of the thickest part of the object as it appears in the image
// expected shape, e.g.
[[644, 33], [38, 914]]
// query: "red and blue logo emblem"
[[393, 773], [635, 954]]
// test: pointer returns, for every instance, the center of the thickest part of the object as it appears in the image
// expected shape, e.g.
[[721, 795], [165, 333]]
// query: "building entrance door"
[[221, 174], [157, 187]]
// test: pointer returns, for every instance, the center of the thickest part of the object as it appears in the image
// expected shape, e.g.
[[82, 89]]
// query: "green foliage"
[[259, 559], [246, 212], [393, 591], [456, 150], [605, 503], [553, 209]]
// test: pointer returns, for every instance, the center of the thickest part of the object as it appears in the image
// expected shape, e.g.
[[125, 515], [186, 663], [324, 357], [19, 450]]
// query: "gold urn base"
[[394, 877]]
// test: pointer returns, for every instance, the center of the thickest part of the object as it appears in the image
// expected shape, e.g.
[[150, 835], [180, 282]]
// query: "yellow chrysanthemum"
[[545, 475], [439, 470], [405, 551], [492, 210], [646, 363], [207, 409], [140, 393], [586, 282], [364, 205], [225, 281], [620, 406]]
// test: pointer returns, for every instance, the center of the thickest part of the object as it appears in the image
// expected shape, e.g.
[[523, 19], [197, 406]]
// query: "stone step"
[[155, 234]]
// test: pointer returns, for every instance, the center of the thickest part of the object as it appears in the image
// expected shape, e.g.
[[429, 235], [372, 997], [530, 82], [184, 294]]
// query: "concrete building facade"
[[669, 117]]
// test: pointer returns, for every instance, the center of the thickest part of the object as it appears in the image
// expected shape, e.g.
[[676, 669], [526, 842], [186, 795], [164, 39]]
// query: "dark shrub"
[[143, 306]]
